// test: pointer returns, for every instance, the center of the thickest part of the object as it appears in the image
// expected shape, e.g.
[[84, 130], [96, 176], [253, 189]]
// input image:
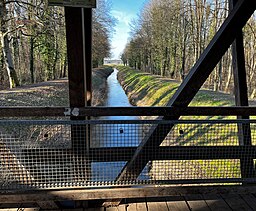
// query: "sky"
[[124, 11]]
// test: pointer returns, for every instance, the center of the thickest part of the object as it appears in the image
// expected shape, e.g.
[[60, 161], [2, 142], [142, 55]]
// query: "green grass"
[[151, 90], [144, 89]]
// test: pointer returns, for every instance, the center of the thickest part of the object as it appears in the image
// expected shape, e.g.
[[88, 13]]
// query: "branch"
[[10, 31], [19, 2]]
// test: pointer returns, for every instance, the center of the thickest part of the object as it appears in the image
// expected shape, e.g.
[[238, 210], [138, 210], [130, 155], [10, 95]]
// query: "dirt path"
[[50, 93], [53, 93]]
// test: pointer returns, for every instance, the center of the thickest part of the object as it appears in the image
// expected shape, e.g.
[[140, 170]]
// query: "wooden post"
[[78, 32], [87, 43], [241, 97], [75, 51], [87, 34], [79, 48]]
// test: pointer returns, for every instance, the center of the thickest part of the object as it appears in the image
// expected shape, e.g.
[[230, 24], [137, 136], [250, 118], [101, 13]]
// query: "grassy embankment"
[[99, 85], [144, 89]]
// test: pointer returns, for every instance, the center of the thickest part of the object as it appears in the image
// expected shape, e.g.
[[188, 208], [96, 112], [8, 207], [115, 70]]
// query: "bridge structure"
[[51, 155]]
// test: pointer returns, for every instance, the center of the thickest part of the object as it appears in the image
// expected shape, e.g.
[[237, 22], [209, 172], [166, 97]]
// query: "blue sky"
[[124, 11]]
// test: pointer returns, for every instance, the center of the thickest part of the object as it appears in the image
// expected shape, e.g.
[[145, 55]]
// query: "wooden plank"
[[196, 202], [20, 205], [250, 199], [235, 202], [157, 206], [137, 207], [116, 193], [193, 82], [23, 209], [128, 111], [117, 208], [177, 205], [31, 209], [47, 205], [198, 205], [95, 209], [216, 203]]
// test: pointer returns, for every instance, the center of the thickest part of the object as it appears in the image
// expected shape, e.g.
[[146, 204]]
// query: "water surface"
[[115, 135]]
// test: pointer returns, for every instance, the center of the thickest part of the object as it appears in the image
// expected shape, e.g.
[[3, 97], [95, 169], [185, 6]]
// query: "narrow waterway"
[[118, 135], [115, 135], [117, 97]]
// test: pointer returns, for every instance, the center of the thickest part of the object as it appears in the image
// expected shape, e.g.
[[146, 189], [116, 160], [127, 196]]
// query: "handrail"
[[127, 111]]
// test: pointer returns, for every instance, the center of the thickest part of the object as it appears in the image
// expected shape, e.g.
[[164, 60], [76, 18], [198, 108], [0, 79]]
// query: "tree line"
[[169, 36], [33, 40]]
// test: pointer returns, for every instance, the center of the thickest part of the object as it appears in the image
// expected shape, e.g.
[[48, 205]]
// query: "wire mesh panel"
[[70, 154]]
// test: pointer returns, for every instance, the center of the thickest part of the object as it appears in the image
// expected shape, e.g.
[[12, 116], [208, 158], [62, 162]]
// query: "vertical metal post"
[[241, 98]]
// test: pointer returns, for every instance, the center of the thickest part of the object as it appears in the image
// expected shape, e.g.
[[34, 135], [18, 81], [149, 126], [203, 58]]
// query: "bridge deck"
[[212, 202]]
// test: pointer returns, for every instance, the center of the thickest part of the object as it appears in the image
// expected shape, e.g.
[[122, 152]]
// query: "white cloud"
[[122, 17], [118, 46], [122, 30]]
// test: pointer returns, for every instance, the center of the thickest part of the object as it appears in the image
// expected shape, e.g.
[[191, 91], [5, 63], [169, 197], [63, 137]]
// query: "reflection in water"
[[115, 135], [117, 97]]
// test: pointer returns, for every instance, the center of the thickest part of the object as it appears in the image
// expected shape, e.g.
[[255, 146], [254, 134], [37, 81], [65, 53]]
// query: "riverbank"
[[99, 85], [144, 89], [54, 93]]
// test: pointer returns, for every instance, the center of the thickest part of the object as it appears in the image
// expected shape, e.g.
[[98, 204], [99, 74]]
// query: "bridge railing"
[[57, 154]]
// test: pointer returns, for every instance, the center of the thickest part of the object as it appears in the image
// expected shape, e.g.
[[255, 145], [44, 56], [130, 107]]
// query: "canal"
[[115, 135], [116, 97]]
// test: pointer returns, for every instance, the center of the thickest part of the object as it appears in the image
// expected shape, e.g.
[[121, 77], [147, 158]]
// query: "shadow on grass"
[[185, 138], [169, 92]]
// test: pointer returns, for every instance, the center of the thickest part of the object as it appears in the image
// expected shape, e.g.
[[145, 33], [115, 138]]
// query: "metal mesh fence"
[[70, 154]]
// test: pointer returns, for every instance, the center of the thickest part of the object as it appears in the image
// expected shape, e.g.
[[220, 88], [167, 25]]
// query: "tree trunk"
[[54, 68], [1, 67], [229, 78], [31, 68], [220, 76], [65, 67], [8, 61], [182, 72]]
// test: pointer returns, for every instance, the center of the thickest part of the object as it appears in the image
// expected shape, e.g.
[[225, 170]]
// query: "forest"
[[169, 36], [33, 41], [166, 39]]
